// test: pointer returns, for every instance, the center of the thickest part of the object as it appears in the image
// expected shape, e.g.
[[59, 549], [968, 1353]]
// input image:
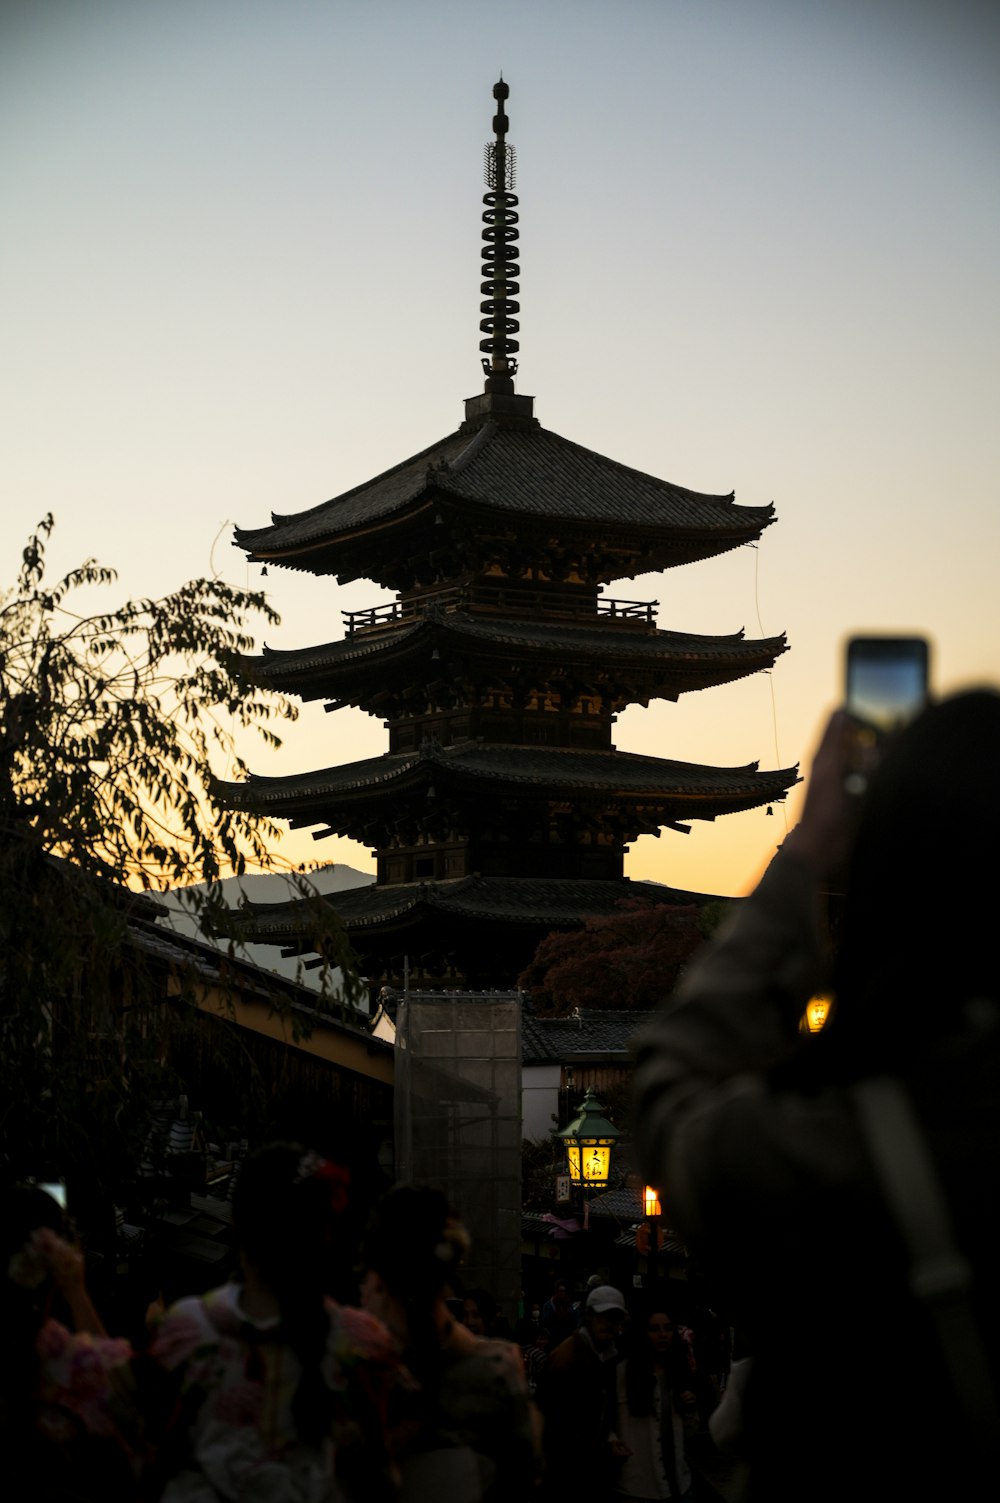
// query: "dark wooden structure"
[[502, 808]]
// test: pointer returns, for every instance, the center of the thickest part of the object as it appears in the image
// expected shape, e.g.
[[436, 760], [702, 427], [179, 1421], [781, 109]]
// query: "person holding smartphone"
[[754, 1131], [69, 1421]]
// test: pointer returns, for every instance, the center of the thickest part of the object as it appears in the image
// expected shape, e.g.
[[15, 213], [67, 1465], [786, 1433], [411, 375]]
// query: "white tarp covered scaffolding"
[[458, 1121]]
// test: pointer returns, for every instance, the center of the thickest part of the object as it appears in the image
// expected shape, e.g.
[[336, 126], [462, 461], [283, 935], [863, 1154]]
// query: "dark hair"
[[487, 1306], [929, 830], [641, 1360], [70, 1463], [285, 1211], [24, 1297], [416, 1243]]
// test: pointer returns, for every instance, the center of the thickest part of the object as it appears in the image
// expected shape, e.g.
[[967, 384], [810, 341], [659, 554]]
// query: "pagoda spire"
[[500, 269]]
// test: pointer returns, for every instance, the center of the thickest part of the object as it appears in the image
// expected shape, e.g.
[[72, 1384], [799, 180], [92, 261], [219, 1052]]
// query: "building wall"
[[539, 1100]]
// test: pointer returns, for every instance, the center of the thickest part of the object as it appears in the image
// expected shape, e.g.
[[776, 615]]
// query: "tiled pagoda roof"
[[540, 902], [682, 658], [510, 472], [697, 791]]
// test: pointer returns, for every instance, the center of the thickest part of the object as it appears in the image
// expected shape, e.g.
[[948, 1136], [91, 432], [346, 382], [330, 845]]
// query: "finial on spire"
[[498, 288]]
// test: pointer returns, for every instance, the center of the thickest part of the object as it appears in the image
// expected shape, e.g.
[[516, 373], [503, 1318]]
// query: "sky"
[[759, 252]]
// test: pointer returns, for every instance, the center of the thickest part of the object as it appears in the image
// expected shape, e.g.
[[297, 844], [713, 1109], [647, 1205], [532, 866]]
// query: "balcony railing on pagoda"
[[628, 610], [488, 599]]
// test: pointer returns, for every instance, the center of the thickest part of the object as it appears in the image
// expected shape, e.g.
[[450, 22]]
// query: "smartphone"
[[886, 680], [886, 686]]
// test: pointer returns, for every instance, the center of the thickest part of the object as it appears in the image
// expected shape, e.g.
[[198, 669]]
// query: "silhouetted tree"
[[113, 728]]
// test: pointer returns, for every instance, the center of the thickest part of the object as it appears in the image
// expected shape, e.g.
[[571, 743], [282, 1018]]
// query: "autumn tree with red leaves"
[[629, 959]]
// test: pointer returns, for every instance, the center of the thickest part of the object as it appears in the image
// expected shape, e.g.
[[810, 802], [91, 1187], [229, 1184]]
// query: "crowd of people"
[[265, 1388], [843, 1191]]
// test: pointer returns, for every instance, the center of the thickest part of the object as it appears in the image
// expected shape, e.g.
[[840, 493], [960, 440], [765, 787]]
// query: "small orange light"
[[650, 1201], [816, 1014]]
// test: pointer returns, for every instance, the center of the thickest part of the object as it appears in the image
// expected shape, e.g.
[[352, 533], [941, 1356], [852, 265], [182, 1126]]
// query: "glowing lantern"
[[816, 1014], [589, 1139]]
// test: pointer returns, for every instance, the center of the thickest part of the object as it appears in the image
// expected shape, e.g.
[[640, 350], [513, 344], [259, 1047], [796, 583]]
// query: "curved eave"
[[663, 791], [382, 550], [340, 515], [349, 670], [537, 902], [505, 480]]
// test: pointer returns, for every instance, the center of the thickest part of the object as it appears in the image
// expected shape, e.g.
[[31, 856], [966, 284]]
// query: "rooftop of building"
[[541, 902], [545, 766], [513, 471], [605, 1033], [580, 640]]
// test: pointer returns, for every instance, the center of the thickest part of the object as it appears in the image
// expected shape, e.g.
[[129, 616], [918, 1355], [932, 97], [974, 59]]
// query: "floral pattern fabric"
[[83, 1382], [237, 1379]]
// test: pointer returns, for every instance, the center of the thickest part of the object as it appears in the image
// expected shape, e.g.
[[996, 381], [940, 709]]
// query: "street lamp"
[[589, 1139]]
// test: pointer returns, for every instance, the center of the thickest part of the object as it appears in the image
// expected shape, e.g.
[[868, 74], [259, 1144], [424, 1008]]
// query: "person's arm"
[[736, 1012], [68, 1272]]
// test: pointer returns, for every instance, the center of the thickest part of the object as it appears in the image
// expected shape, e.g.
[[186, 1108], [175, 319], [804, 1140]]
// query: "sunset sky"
[[760, 243]]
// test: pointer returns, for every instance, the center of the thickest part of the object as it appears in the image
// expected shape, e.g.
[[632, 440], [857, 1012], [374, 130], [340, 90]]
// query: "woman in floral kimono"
[[279, 1394]]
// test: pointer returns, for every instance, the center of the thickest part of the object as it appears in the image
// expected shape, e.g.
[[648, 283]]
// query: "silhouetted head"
[[655, 1343], [25, 1209], [605, 1315], [479, 1312], [26, 1285], [923, 889], [412, 1257], [286, 1208], [416, 1243], [659, 1330]]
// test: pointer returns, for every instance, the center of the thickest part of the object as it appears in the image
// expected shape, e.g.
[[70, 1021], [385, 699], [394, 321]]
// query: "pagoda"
[[502, 809]]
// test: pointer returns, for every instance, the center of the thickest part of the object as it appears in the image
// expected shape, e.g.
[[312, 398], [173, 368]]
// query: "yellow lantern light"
[[817, 1012], [589, 1139]]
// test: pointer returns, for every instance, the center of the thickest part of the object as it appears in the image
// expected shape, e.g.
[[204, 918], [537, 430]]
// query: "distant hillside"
[[265, 887], [272, 887]]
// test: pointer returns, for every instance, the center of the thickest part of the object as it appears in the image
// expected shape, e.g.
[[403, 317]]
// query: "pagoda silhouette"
[[501, 810]]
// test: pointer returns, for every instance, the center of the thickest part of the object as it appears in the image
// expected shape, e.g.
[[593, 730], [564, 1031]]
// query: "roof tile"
[[529, 471], [571, 768], [601, 1032]]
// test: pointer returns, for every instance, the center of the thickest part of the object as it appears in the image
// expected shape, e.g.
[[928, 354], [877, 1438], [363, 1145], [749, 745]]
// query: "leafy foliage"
[[630, 959], [113, 727], [111, 724], [541, 1161]]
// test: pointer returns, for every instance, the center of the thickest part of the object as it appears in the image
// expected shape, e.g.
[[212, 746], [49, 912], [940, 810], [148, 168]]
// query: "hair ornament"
[[454, 1245], [308, 1167], [312, 1166]]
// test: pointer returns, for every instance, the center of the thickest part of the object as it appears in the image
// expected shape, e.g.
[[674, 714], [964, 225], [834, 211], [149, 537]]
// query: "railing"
[[547, 604], [628, 610], [375, 615]]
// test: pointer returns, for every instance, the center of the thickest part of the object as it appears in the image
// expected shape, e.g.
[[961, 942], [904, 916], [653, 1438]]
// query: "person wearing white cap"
[[575, 1397], [605, 1297]]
